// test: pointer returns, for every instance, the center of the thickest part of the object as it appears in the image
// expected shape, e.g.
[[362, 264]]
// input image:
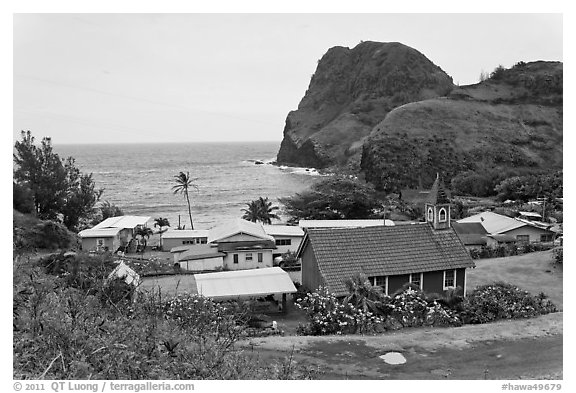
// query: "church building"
[[427, 254]]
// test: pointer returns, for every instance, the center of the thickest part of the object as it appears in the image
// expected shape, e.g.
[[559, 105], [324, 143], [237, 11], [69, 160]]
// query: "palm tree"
[[362, 294], [183, 184], [261, 210], [161, 222], [144, 233], [252, 212]]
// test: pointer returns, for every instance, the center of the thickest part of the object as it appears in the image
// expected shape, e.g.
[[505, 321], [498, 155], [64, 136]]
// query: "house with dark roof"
[[472, 234], [428, 254]]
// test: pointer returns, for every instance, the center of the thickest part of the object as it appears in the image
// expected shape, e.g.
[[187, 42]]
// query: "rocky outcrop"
[[351, 91]]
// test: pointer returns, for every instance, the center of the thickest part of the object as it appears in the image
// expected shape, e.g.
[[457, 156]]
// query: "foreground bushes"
[[489, 303], [410, 307], [71, 323]]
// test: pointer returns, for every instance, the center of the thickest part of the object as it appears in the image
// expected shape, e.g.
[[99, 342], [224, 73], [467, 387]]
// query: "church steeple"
[[437, 206]]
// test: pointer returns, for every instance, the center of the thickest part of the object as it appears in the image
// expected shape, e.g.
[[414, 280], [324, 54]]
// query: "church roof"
[[438, 194]]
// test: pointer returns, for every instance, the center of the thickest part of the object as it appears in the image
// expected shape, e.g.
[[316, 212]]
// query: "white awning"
[[253, 282]]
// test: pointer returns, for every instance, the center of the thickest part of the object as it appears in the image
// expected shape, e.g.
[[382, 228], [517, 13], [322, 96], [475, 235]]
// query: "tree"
[[81, 195], [22, 198], [144, 233], [332, 199], [110, 210], [161, 222], [58, 187], [183, 185], [361, 294], [261, 210]]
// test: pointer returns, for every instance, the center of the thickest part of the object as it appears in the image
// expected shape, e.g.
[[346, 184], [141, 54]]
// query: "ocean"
[[138, 178]]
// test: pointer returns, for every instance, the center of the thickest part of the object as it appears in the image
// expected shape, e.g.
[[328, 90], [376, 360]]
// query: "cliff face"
[[352, 91], [506, 125]]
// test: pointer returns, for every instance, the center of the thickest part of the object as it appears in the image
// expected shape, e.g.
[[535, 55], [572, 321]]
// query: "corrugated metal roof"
[[201, 251], [104, 232], [530, 214], [236, 227], [344, 223], [123, 222], [380, 251], [253, 282], [283, 230], [247, 246], [493, 222], [185, 233]]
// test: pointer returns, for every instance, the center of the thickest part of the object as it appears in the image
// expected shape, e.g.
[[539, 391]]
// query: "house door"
[[100, 244]]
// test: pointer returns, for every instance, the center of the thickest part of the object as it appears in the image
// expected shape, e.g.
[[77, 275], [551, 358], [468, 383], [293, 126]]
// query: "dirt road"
[[522, 349]]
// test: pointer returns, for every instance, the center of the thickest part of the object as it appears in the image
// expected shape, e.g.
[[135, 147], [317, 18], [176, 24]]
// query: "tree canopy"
[[59, 190], [261, 210], [332, 199]]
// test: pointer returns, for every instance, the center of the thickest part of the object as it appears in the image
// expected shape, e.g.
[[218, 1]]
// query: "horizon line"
[[162, 143]]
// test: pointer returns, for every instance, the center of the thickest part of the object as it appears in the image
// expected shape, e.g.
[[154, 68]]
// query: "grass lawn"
[[533, 272]]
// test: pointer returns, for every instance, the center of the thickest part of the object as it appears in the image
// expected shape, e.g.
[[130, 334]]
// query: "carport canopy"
[[242, 283]]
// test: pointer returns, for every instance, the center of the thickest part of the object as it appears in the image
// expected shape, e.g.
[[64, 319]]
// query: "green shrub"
[[22, 198], [558, 254], [500, 300], [66, 332]]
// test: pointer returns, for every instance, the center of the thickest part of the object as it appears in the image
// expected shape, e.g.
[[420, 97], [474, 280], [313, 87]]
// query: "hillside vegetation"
[[510, 124]]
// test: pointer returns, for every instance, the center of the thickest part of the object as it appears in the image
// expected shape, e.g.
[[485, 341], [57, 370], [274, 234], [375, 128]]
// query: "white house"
[[174, 238], [286, 237], [235, 245], [112, 233]]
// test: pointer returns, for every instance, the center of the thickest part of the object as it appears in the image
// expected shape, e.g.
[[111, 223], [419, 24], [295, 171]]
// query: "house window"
[[249, 256], [100, 242], [546, 238], [523, 238], [449, 278], [235, 256], [203, 240], [260, 257], [283, 242], [379, 281], [442, 215], [416, 279], [430, 214]]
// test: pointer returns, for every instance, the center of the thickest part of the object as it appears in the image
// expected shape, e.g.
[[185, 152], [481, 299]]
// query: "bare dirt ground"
[[521, 349]]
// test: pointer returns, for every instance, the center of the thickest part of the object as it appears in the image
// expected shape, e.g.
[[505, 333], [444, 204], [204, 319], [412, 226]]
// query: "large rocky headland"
[[386, 112]]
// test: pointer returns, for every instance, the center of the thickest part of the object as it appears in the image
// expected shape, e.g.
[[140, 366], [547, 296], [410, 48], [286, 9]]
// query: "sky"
[[148, 78]]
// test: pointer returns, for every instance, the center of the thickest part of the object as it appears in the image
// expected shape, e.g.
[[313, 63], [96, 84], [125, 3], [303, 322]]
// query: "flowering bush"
[[204, 317], [439, 315], [503, 301], [327, 315], [409, 307]]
